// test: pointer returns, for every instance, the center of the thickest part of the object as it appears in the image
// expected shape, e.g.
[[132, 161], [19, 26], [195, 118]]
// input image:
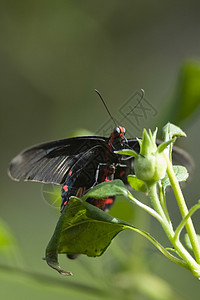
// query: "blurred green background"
[[53, 54]]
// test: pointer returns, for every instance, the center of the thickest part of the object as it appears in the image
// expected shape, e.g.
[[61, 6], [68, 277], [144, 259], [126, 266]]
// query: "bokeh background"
[[53, 54]]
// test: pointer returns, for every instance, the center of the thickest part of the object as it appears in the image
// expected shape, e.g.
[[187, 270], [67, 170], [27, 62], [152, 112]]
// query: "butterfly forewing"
[[50, 162]]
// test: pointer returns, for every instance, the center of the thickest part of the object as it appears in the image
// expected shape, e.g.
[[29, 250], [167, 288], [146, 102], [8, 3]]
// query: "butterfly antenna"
[[98, 93], [142, 97]]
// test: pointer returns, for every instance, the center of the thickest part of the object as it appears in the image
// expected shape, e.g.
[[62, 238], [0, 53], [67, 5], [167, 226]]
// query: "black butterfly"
[[80, 163]]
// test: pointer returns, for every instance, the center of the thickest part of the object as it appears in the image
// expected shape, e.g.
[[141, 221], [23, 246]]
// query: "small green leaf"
[[188, 243], [181, 174], [81, 229], [136, 183], [127, 152], [164, 145], [171, 131], [107, 189]]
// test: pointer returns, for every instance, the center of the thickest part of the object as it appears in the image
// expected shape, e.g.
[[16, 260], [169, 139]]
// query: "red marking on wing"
[[101, 203], [65, 188], [70, 173], [122, 173], [106, 179], [109, 201]]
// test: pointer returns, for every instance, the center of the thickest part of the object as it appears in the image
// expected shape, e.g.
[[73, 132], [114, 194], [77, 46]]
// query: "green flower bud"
[[150, 168], [150, 165]]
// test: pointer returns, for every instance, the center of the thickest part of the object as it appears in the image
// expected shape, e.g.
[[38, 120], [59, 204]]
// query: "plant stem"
[[148, 209], [183, 209], [163, 202], [181, 251], [184, 220], [160, 247], [152, 190]]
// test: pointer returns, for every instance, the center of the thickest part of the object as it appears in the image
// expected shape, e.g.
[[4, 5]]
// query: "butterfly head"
[[117, 138]]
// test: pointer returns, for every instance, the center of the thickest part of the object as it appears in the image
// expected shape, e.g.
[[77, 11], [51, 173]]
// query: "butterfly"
[[80, 163]]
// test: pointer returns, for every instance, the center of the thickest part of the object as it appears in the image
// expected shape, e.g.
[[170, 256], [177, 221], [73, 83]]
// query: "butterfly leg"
[[104, 172]]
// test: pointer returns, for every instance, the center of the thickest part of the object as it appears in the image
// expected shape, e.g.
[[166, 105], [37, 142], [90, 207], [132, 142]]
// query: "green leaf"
[[136, 183], [81, 229], [85, 229], [164, 145], [107, 189], [171, 131], [188, 243], [181, 174], [127, 152]]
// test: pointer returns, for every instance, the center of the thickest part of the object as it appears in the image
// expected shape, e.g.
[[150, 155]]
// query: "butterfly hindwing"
[[86, 172]]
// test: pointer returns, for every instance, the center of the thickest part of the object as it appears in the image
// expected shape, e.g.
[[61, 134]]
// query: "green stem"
[[182, 252], [163, 202], [160, 247], [183, 209], [192, 264], [183, 222], [152, 190], [159, 214], [145, 207]]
